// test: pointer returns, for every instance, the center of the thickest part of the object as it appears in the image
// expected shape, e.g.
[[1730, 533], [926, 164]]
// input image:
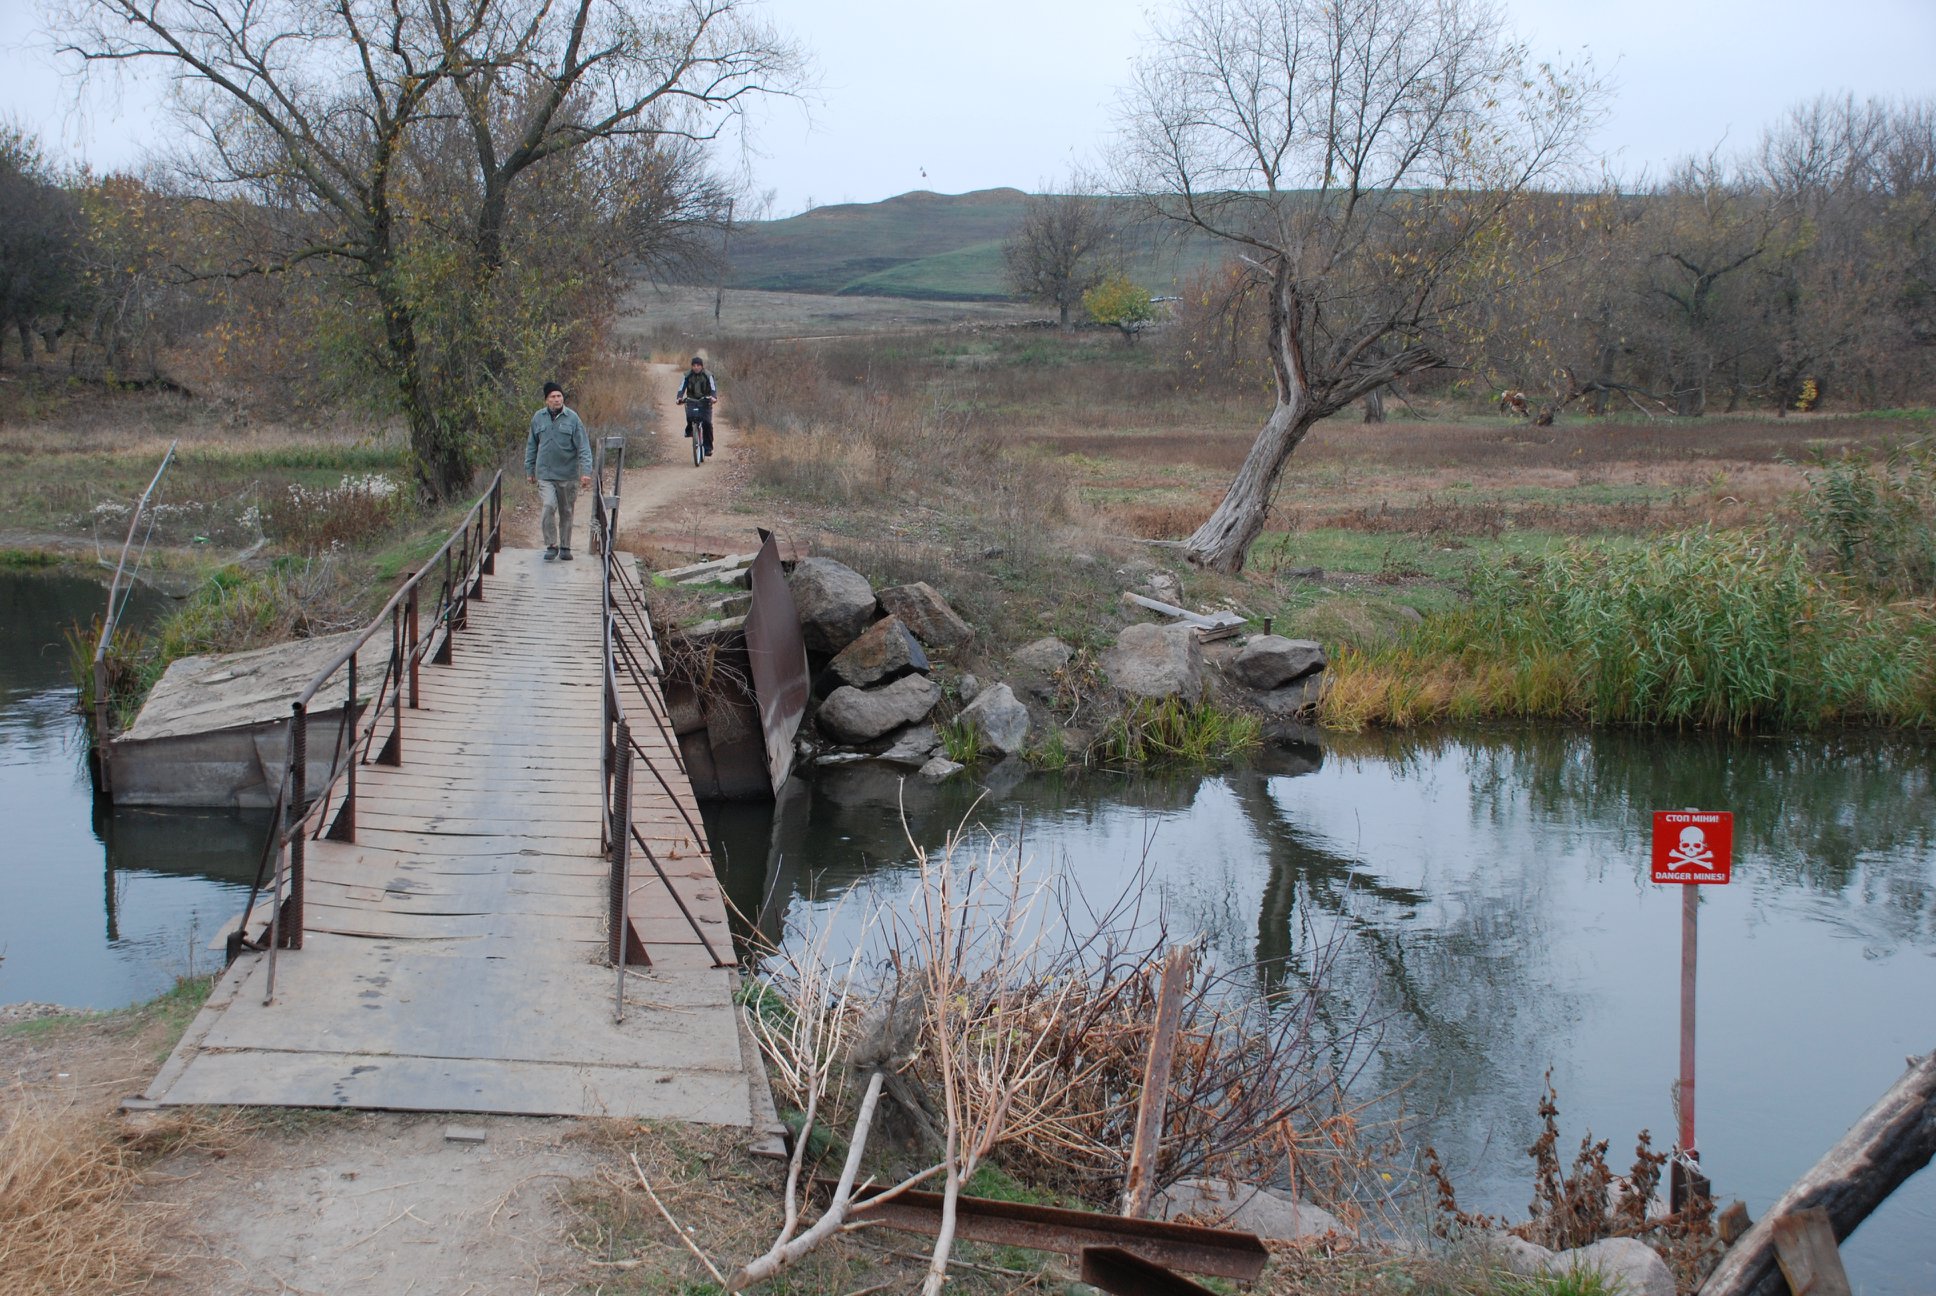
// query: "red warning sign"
[[1693, 846]]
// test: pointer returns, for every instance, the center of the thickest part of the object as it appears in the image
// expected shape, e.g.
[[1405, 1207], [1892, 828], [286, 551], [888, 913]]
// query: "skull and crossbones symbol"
[[1693, 851]]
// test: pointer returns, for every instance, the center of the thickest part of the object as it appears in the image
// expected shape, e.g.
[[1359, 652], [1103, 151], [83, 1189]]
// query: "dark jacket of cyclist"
[[697, 387]]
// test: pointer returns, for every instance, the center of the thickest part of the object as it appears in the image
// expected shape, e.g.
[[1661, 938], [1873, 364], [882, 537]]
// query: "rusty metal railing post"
[[497, 515], [413, 630], [621, 867], [392, 753], [344, 829], [476, 555], [289, 914]]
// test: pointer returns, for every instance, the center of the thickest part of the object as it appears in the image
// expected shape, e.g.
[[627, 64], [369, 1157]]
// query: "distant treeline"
[[1800, 273]]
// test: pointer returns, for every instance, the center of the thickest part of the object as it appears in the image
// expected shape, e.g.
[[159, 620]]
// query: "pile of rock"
[[1268, 672], [871, 650], [1627, 1265]]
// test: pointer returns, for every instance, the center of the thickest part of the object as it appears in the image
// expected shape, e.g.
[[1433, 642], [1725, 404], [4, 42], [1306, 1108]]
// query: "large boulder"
[[1001, 722], [1631, 1266], [912, 746], [1267, 1212], [928, 615], [852, 715], [1515, 1254], [1044, 656], [835, 603], [1299, 697], [941, 769], [1268, 661], [884, 651], [1156, 661]]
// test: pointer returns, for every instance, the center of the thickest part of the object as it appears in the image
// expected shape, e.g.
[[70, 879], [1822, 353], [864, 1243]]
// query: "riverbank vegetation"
[[71, 1215], [1731, 571]]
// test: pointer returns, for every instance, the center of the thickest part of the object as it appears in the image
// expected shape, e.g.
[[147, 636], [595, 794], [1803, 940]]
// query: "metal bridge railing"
[[631, 654], [456, 573]]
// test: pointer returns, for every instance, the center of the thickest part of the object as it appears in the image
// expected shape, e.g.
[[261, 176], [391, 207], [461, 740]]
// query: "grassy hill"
[[945, 247]]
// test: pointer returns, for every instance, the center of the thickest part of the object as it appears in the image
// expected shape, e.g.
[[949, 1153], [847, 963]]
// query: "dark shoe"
[[564, 555], [551, 551]]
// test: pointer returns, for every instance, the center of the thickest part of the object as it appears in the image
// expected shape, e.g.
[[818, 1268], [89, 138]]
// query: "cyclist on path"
[[698, 387]]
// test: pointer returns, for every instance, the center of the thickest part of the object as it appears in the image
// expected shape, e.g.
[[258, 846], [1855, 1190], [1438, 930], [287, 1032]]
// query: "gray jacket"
[[557, 449]]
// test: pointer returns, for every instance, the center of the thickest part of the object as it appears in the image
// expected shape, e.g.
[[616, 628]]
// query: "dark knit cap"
[[553, 387]]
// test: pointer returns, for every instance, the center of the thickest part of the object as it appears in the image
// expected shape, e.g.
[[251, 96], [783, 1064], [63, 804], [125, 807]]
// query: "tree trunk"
[[1223, 542], [1375, 406], [1062, 304], [1893, 1140], [437, 443]]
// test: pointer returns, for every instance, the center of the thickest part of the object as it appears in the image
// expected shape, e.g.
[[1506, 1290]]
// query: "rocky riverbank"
[[900, 677]]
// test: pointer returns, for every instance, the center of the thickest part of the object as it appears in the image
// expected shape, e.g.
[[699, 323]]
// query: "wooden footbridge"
[[492, 892]]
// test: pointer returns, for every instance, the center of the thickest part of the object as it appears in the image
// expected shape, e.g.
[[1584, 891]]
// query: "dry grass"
[[728, 1201], [72, 1214], [65, 1220], [618, 394]]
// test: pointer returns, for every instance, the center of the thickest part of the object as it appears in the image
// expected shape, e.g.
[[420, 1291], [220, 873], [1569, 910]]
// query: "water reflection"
[[98, 907], [1489, 902]]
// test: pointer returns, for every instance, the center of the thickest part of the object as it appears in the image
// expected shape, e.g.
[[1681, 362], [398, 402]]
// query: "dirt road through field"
[[665, 502]]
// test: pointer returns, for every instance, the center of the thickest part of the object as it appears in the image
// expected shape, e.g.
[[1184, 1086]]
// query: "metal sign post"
[[1692, 848]]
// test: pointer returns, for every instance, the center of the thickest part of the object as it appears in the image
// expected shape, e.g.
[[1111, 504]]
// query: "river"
[[99, 908], [1490, 890], [1492, 896]]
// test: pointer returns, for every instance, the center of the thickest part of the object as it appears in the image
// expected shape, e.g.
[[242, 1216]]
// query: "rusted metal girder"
[[1125, 1273], [778, 657], [1221, 1253]]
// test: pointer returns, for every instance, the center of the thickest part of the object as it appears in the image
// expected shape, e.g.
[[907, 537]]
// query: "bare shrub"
[[1007, 1019], [1578, 1205], [312, 519]]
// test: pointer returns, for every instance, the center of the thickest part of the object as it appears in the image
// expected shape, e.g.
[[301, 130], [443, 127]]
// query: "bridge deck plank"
[[454, 951]]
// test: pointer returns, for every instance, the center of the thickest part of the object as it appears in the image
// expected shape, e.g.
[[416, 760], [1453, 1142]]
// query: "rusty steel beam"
[[1220, 1253], [778, 658], [1124, 1273]]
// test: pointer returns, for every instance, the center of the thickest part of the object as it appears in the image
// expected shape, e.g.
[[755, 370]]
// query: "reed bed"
[[1151, 731], [1702, 629]]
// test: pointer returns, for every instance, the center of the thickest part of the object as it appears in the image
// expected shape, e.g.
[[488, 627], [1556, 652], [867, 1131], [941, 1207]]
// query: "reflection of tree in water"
[[1849, 814], [1453, 986]]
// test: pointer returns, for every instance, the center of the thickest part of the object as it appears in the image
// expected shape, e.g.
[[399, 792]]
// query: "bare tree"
[[1361, 155], [409, 143], [1064, 247]]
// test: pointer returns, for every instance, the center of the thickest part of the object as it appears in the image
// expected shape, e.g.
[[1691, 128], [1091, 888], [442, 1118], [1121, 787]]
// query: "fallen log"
[[1203, 621], [1893, 1140]]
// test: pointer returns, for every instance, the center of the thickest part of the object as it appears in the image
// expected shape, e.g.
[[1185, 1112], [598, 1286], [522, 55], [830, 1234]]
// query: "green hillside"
[[919, 245]]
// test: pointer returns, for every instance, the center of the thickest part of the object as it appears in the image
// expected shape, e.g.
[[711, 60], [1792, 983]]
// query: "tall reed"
[[1698, 629]]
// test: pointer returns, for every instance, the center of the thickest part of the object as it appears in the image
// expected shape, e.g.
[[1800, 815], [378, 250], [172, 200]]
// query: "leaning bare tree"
[[1360, 155], [433, 151], [1063, 248]]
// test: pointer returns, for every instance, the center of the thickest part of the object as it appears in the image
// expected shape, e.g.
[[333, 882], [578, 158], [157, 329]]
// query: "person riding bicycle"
[[698, 392]]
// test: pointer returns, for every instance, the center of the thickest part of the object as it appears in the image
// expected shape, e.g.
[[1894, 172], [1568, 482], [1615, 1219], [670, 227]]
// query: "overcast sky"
[[1016, 92]]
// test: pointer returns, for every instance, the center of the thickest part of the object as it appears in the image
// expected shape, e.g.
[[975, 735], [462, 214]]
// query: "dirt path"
[[665, 503]]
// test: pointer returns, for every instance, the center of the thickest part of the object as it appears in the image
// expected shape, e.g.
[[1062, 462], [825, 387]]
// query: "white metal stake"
[[1690, 945]]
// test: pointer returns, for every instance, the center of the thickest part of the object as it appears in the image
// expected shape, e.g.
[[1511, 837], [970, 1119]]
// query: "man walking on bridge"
[[557, 444]]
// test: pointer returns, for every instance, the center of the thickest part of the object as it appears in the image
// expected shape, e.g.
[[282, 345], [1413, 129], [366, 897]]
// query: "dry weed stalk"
[[1579, 1206], [1025, 1014]]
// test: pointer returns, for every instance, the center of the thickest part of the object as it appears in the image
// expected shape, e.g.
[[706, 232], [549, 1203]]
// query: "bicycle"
[[696, 429]]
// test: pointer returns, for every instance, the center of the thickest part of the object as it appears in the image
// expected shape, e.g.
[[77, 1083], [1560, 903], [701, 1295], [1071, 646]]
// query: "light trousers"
[[558, 498]]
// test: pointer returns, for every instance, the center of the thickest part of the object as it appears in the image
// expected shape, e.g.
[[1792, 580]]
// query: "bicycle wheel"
[[698, 433]]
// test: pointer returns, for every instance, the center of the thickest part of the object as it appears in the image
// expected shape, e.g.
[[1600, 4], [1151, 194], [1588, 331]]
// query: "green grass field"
[[925, 246]]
